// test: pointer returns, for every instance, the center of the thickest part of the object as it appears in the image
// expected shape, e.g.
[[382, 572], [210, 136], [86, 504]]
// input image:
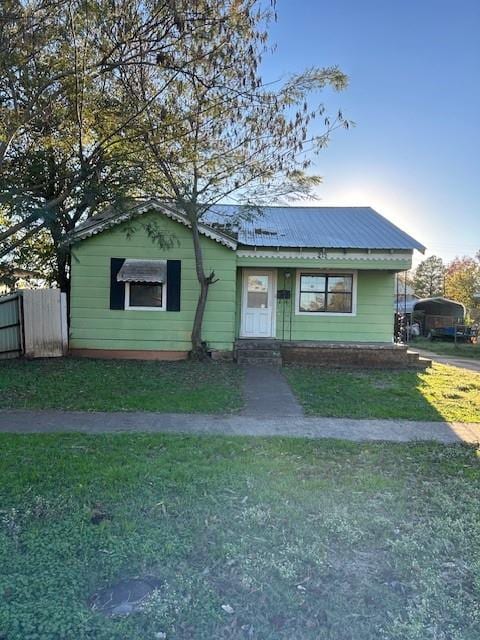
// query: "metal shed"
[[438, 312]]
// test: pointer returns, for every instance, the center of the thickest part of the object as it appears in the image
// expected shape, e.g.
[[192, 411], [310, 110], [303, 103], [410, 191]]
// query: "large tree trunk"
[[62, 261], [62, 256], [62, 264], [199, 348]]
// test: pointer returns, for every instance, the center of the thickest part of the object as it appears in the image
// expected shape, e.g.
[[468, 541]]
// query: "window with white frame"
[[145, 284], [325, 293], [144, 295]]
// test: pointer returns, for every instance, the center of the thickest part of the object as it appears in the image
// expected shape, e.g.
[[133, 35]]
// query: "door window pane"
[[257, 292]]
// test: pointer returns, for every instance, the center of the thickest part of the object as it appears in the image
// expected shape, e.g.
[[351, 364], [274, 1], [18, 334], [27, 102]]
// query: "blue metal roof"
[[313, 227]]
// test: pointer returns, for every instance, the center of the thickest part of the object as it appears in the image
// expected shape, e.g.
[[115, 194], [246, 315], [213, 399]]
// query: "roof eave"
[[150, 205], [273, 246]]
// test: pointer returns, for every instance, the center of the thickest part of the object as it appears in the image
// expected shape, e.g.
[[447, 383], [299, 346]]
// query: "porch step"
[[254, 344], [258, 352], [263, 361], [418, 362], [266, 352]]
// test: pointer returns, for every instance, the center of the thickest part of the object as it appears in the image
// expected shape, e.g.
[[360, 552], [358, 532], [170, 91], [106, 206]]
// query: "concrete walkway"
[[454, 361], [14, 421], [268, 394]]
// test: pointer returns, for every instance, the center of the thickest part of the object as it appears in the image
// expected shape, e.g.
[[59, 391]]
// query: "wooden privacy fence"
[[10, 326], [33, 323]]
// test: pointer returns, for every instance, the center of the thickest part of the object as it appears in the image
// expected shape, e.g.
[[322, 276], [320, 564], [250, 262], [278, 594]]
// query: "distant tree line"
[[457, 280]]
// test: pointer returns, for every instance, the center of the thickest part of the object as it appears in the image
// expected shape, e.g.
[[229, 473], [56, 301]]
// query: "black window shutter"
[[174, 273], [117, 289]]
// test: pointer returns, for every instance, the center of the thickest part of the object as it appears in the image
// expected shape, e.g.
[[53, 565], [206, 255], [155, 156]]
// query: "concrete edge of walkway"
[[454, 361], [53, 421]]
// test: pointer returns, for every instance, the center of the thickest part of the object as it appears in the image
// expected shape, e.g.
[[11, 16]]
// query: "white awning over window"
[[143, 271]]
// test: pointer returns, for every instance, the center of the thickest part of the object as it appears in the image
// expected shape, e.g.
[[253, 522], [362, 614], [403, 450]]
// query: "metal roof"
[[143, 271], [295, 227], [439, 301], [315, 227]]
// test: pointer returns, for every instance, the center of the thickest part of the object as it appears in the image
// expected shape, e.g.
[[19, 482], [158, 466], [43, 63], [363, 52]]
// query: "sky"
[[414, 95]]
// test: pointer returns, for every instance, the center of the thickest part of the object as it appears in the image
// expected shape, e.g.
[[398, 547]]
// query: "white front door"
[[258, 304]]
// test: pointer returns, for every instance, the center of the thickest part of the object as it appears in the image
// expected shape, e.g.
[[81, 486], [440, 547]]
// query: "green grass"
[[120, 385], [440, 393], [304, 540], [447, 348]]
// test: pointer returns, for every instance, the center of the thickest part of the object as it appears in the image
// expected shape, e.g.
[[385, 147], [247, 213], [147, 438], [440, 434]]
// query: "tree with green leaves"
[[219, 132], [64, 148], [462, 281], [428, 278], [148, 97]]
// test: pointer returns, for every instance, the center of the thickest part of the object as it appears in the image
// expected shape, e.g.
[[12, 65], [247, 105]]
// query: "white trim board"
[[320, 255], [127, 306]]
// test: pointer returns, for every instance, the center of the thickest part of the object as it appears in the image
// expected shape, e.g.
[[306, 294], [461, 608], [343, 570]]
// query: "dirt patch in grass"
[[248, 538]]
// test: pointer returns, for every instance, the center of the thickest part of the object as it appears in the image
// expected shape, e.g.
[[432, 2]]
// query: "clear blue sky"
[[414, 94]]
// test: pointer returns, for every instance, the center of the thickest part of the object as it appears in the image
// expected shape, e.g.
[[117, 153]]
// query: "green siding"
[[373, 321], [94, 325]]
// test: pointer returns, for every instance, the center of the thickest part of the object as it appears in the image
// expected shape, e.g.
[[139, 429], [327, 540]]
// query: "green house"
[[297, 275]]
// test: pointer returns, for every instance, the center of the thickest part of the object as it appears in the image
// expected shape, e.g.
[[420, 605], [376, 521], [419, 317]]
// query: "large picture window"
[[325, 293]]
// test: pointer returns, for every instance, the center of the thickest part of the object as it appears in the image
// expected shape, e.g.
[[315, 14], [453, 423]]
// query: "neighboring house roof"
[[299, 227]]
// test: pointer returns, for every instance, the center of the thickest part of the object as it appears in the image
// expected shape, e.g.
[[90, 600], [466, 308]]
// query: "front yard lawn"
[[248, 538], [439, 393], [444, 348], [120, 385]]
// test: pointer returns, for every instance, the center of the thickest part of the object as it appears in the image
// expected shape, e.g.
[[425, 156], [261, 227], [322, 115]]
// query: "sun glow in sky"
[[414, 154]]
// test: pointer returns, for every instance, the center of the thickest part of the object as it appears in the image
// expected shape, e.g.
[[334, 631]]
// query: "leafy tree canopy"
[[462, 281], [64, 148], [428, 278], [102, 101]]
